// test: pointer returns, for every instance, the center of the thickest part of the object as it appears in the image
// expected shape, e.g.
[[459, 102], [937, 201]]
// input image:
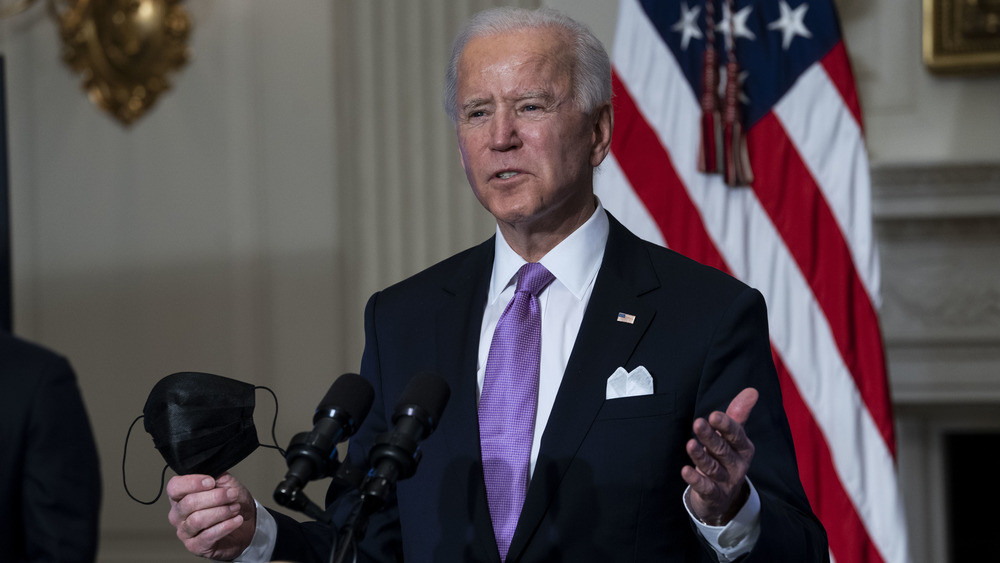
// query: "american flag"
[[800, 232]]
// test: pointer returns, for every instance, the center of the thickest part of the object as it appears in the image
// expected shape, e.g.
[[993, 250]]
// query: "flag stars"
[[742, 77], [735, 24], [687, 26], [791, 23]]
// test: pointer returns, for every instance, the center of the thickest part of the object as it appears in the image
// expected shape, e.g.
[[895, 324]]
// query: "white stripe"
[[616, 193], [755, 252], [832, 148]]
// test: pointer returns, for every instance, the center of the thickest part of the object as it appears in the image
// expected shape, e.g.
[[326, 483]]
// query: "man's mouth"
[[506, 174]]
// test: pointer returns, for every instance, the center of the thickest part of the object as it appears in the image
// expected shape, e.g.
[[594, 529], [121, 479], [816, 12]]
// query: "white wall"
[[205, 237]]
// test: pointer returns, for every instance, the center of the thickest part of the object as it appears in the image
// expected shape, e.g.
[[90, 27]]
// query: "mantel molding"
[[935, 191], [938, 229]]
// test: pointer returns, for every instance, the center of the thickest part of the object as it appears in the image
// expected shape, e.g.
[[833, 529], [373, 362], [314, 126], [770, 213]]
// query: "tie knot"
[[533, 278]]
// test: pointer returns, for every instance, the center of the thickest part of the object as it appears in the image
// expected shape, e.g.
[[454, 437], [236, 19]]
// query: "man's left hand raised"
[[721, 453]]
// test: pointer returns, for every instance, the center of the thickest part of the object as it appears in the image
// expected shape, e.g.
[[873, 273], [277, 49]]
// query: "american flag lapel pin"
[[626, 318]]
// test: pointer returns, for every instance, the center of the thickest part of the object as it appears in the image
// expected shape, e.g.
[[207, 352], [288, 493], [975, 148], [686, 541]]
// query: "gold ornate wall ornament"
[[124, 49], [10, 7], [962, 35]]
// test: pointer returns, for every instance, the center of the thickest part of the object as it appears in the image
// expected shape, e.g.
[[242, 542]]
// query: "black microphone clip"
[[313, 455], [396, 454]]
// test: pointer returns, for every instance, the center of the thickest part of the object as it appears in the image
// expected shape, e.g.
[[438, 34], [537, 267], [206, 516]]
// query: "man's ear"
[[461, 158], [604, 123]]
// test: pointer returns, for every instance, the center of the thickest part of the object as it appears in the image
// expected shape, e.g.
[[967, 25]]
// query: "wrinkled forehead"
[[543, 50]]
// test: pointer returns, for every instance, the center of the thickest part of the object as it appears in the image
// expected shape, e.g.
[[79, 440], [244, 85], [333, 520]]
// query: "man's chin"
[[512, 210]]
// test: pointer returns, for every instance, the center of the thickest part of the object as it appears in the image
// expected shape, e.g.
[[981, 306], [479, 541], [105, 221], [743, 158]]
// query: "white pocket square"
[[629, 384]]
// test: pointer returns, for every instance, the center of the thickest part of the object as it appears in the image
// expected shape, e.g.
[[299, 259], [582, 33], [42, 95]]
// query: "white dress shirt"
[[574, 262]]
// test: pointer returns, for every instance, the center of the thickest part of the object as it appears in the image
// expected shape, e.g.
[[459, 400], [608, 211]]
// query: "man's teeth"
[[505, 175]]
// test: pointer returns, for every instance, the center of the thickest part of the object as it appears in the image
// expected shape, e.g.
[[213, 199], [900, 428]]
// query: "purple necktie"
[[509, 400]]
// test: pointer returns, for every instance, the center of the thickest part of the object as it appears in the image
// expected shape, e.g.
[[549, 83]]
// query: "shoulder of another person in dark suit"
[[26, 366]]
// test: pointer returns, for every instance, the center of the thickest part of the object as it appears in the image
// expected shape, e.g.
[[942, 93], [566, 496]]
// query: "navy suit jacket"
[[50, 482], [607, 483]]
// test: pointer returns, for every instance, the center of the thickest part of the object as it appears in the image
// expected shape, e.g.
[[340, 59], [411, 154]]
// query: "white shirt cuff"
[[737, 537], [264, 537]]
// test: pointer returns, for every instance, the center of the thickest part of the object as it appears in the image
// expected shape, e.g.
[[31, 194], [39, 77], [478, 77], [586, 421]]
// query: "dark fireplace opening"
[[971, 495]]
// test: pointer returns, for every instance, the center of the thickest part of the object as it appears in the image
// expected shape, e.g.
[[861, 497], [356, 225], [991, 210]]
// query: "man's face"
[[527, 150]]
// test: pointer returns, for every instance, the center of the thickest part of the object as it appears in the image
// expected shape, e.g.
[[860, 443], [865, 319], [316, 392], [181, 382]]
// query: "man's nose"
[[503, 131]]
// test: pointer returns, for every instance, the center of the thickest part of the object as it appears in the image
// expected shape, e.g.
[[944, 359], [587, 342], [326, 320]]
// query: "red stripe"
[[848, 537], [838, 68], [650, 170], [790, 196]]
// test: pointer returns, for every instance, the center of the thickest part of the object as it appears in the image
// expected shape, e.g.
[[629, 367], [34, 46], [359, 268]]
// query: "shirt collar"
[[574, 261]]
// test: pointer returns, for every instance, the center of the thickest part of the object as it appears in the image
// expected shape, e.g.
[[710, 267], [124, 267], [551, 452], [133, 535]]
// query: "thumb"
[[741, 405]]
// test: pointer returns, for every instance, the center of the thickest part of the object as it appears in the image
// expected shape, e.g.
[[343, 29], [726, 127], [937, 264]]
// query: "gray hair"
[[592, 70]]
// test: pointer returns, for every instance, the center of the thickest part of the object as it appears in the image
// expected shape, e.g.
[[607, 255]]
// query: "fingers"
[[708, 470], [215, 518], [205, 541], [720, 445], [188, 496], [712, 494], [699, 482], [180, 486], [200, 504], [741, 405], [708, 448], [718, 433], [198, 524], [729, 426], [721, 453], [718, 472], [215, 541], [228, 482]]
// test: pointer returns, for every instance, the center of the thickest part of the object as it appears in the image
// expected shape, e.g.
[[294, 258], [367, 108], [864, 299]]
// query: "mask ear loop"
[[274, 422], [163, 474]]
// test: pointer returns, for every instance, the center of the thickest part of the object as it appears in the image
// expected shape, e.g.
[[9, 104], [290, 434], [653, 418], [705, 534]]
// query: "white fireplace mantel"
[[939, 238]]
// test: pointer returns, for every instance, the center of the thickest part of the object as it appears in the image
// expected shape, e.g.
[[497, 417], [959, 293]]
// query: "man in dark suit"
[[50, 484], [638, 347]]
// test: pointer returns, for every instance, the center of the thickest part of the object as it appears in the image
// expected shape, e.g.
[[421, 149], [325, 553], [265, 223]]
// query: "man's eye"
[[530, 107], [477, 113]]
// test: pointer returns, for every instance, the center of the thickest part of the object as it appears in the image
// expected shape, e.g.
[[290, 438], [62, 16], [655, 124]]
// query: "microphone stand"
[[377, 487], [356, 525], [293, 497], [394, 456]]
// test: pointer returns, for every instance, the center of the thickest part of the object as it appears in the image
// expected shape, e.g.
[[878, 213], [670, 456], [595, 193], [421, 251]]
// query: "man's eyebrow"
[[474, 103], [535, 94], [540, 94]]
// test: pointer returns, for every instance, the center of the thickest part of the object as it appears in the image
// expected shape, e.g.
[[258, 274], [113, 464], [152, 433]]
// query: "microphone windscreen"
[[350, 393], [429, 391]]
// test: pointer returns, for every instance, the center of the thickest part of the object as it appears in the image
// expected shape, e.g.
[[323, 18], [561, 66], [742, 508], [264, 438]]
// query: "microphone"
[[395, 455], [312, 455]]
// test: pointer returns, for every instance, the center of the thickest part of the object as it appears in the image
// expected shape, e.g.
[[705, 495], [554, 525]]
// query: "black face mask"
[[201, 423]]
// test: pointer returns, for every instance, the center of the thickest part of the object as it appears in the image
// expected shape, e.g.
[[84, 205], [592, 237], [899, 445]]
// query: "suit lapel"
[[457, 325], [602, 345]]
